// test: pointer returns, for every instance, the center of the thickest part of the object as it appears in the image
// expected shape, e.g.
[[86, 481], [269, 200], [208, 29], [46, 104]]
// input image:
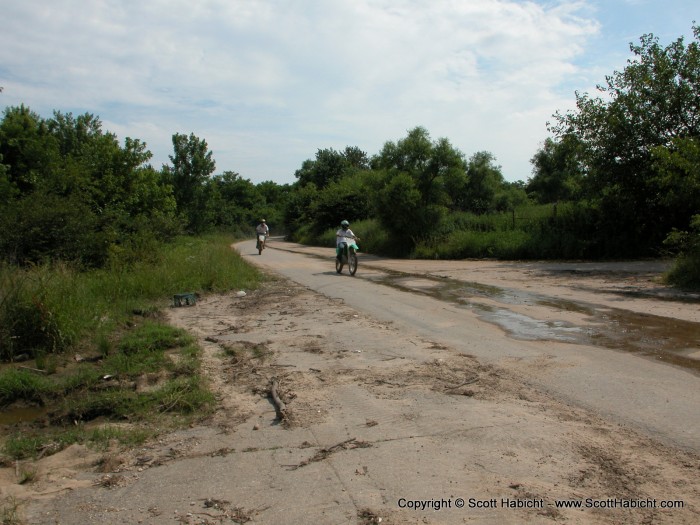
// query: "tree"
[[232, 200], [192, 166], [70, 191], [677, 179], [274, 199], [331, 166], [484, 179], [356, 158], [557, 171], [347, 198], [652, 102], [399, 205], [428, 163], [298, 216], [27, 147]]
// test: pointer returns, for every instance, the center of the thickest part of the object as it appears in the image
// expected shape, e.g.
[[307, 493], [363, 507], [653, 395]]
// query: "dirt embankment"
[[379, 426]]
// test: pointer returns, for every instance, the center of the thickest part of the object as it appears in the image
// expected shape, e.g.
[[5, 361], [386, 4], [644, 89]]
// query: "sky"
[[268, 83]]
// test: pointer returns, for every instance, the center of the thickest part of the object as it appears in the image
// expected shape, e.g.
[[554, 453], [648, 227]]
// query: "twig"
[[280, 407], [325, 452], [32, 369], [469, 382]]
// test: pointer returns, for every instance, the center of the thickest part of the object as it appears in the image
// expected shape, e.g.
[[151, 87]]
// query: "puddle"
[[524, 327], [21, 415], [659, 338], [663, 339]]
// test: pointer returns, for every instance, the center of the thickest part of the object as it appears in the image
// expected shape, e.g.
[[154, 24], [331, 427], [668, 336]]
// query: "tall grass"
[[686, 270], [107, 313], [510, 244], [64, 305], [564, 231]]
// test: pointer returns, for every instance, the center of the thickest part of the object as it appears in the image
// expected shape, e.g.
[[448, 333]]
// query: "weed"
[[9, 512], [27, 476], [184, 395]]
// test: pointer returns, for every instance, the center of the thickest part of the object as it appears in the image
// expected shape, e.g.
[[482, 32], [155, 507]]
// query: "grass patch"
[[17, 384], [135, 374], [53, 308], [477, 244]]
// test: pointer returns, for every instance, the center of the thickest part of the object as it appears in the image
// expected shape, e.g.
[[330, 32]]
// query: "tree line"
[[70, 191], [619, 177]]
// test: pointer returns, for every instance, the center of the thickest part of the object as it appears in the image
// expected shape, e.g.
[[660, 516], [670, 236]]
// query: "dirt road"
[[420, 392]]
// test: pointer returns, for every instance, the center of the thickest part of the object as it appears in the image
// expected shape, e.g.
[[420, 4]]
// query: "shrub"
[[686, 270], [29, 326]]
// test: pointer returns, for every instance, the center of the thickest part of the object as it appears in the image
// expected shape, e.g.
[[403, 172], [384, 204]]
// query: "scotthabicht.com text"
[[536, 503]]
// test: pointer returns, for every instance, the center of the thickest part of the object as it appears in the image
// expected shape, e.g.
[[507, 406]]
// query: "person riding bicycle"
[[261, 229], [343, 237]]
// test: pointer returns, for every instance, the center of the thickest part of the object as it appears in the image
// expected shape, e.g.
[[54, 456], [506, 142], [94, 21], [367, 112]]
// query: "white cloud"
[[267, 83]]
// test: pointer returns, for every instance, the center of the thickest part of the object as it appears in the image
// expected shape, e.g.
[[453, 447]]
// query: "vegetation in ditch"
[[89, 353]]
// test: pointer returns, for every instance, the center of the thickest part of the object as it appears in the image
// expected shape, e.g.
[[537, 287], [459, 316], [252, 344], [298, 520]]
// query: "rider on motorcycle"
[[261, 229], [343, 237]]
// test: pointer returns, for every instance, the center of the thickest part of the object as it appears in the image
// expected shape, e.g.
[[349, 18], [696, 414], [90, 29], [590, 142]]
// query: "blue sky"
[[267, 83]]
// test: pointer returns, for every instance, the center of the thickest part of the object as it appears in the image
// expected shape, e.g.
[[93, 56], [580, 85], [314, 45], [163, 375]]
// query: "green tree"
[[652, 102], [331, 166], [686, 270], [74, 193], [28, 149], [429, 163], [356, 158], [346, 199], [557, 171], [398, 205], [677, 179], [193, 164], [274, 197], [298, 214], [232, 200], [484, 179]]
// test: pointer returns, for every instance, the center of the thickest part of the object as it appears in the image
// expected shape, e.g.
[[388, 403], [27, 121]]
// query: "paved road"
[[658, 399]]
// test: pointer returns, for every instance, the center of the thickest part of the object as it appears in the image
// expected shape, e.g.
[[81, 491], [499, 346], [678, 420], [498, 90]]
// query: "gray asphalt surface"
[[658, 399]]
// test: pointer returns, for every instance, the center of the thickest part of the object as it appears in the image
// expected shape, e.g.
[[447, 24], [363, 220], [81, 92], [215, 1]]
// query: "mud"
[[669, 340]]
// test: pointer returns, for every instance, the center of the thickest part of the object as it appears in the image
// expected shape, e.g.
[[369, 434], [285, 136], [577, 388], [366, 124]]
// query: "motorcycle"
[[261, 243], [348, 255]]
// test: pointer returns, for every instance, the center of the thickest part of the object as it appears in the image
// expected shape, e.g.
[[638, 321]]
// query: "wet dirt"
[[665, 339], [16, 415], [381, 423]]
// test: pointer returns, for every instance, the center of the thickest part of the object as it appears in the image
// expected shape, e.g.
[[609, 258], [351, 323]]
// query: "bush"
[[686, 270], [45, 227], [374, 238], [513, 244], [29, 326]]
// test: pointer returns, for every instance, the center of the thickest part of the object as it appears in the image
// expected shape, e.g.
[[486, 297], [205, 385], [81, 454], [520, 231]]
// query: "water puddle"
[[21, 415], [663, 339], [524, 327]]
